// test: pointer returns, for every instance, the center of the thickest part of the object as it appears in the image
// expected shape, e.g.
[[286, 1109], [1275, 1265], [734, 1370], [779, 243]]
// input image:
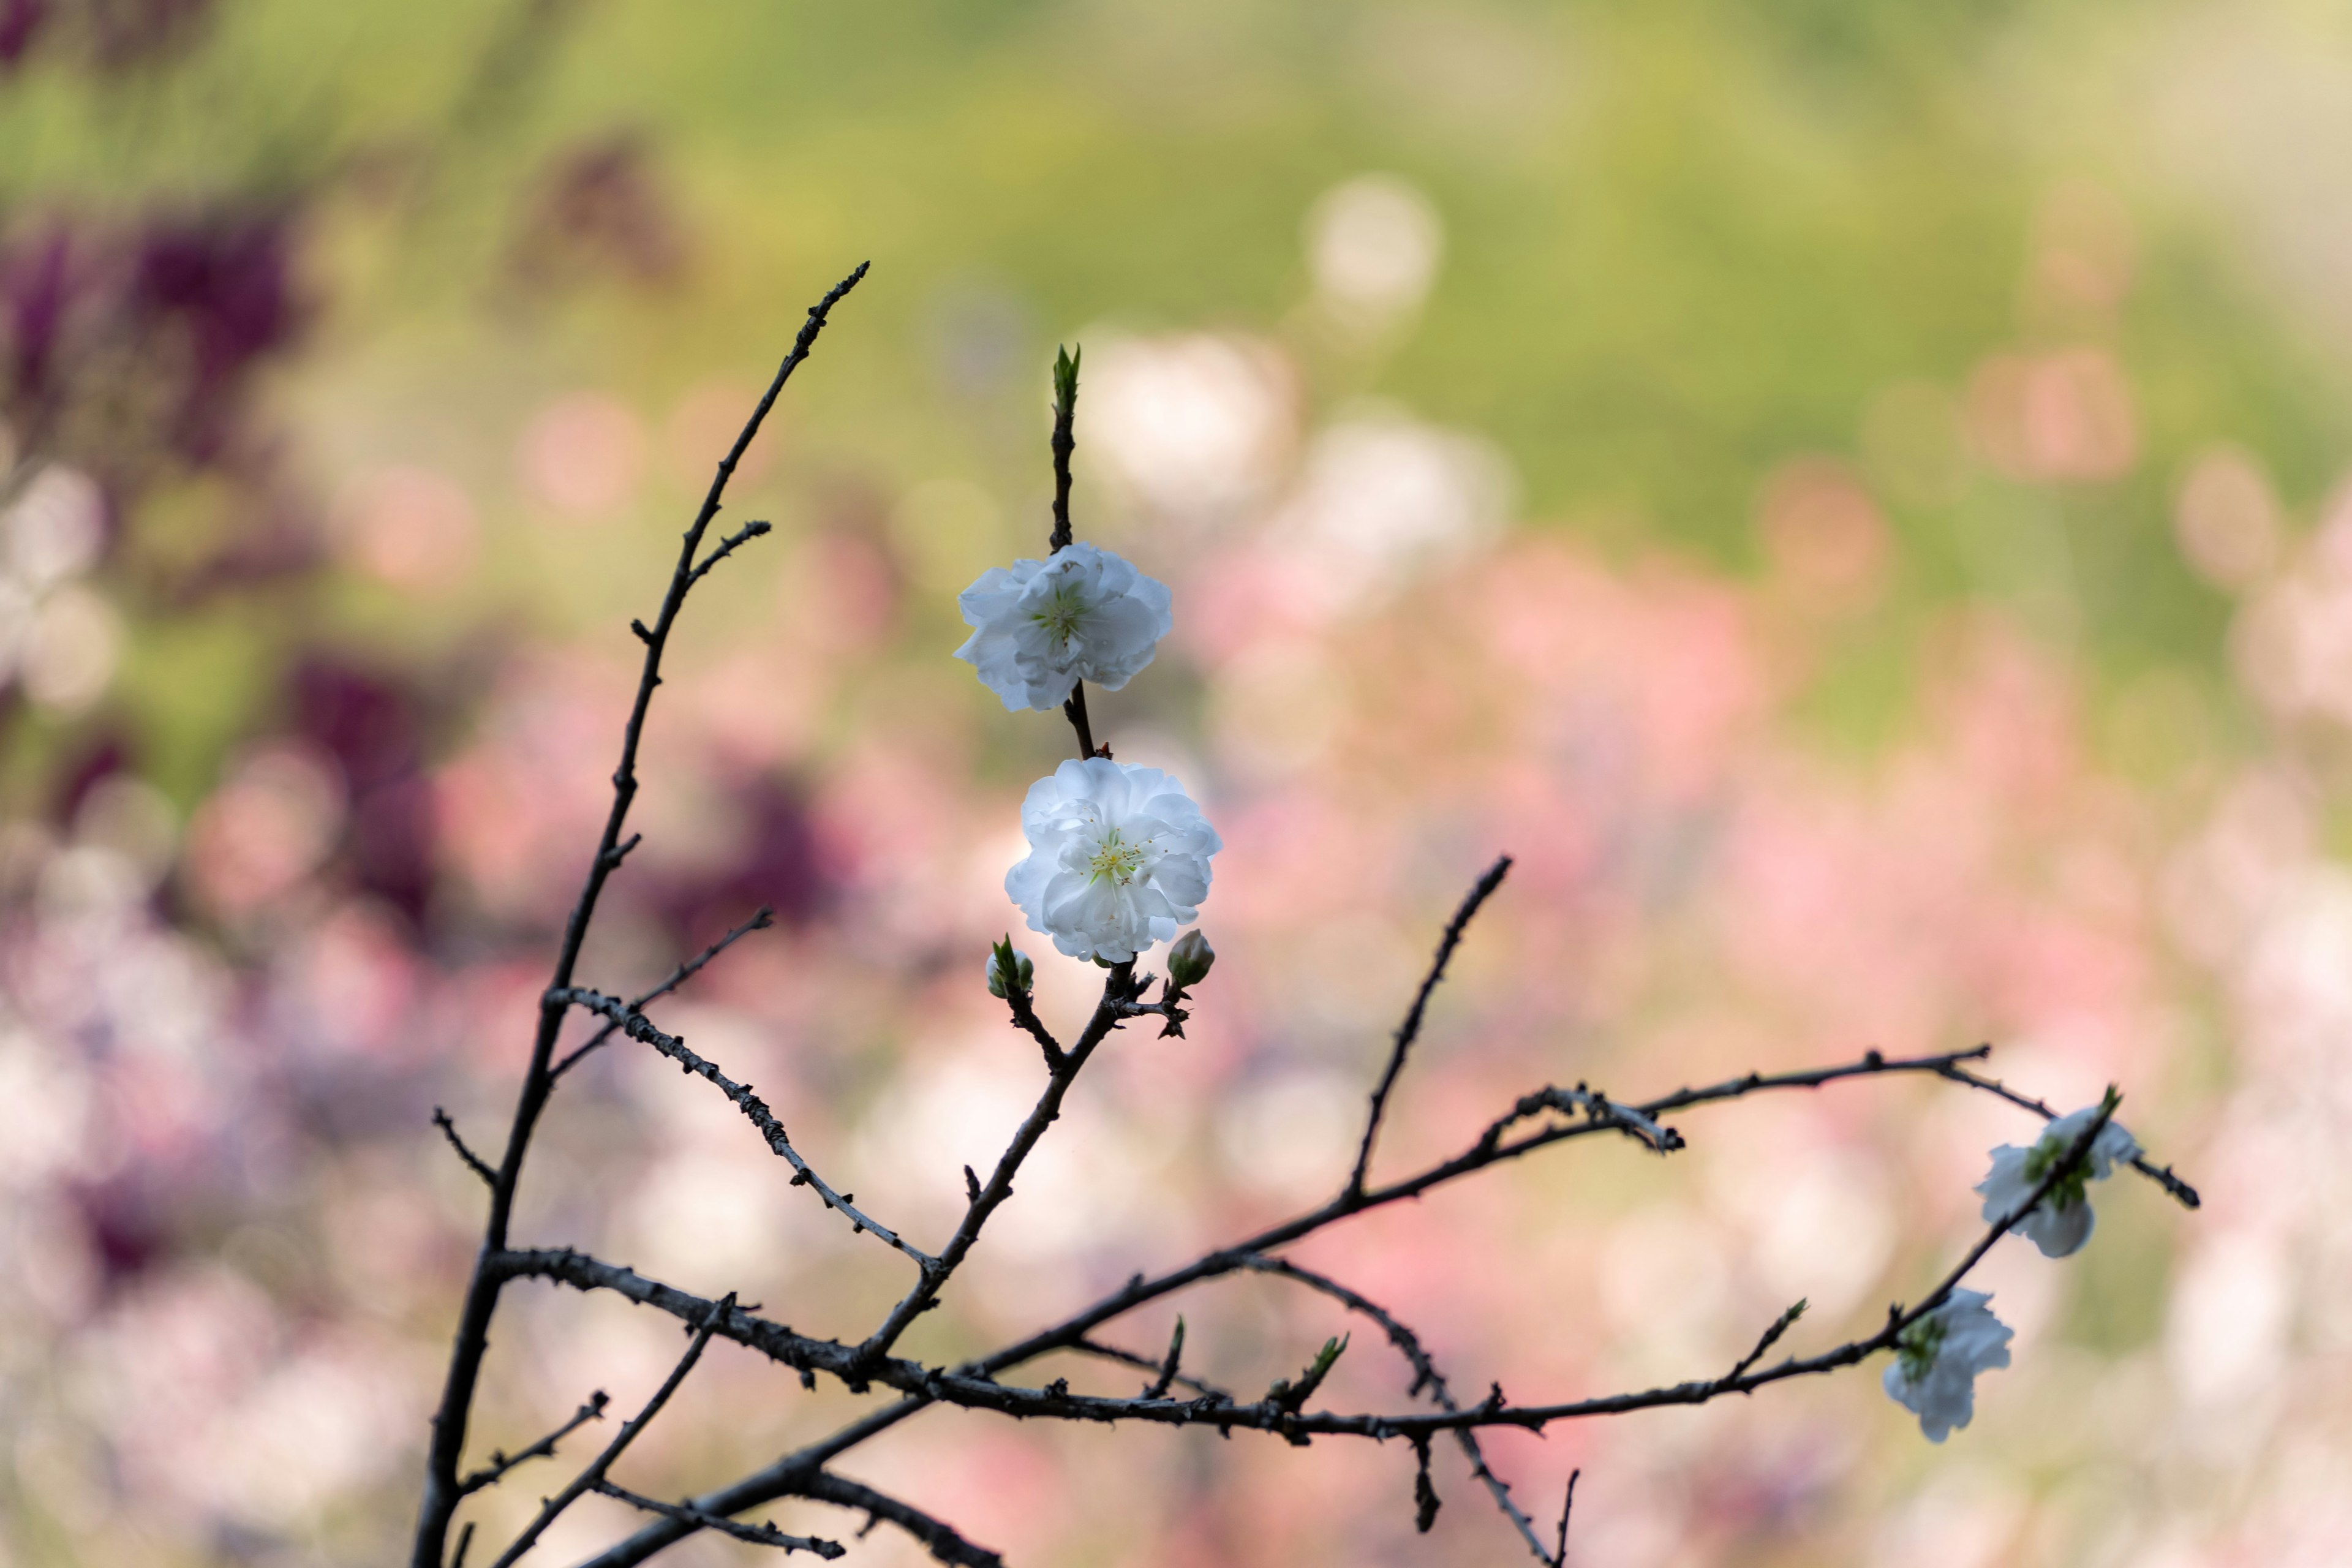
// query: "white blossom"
[[2062, 1222], [1118, 858], [1937, 1358], [1039, 628]]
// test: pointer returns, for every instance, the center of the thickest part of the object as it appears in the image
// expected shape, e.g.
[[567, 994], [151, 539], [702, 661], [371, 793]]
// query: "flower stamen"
[[1115, 861], [1060, 614]]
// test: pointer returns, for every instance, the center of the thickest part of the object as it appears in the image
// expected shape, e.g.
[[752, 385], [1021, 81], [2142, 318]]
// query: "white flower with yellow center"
[[2061, 1221], [1937, 1358], [1039, 628], [1118, 858]]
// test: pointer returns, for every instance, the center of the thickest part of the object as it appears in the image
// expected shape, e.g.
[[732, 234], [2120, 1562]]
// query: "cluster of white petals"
[[1938, 1359], [1118, 858], [1039, 628], [2062, 1222]]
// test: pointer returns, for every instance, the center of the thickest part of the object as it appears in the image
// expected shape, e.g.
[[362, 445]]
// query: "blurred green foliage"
[[1686, 241]]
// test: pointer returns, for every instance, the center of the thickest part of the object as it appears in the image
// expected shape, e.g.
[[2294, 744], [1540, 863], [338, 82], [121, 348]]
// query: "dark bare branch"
[[637, 1027], [500, 1463], [1408, 1031], [728, 546], [938, 1538], [783, 1478], [1156, 1389], [1023, 1006], [1119, 986], [1425, 1377], [2182, 1192], [762, 1534], [1074, 708], [1266, 1416], [761, 919], [591, 1478], [975, 1385], [1489, 1150], [1169, 1365], [439, 1503], [473, 1161], [1770, 1337], [1065, 442]]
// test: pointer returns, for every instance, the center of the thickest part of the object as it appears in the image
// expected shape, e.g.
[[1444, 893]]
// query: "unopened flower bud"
[[1190, 961], [1009, 969]]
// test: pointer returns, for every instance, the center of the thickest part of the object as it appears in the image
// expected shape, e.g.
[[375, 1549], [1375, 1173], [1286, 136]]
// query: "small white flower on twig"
[[2062, 1222], [1937, 1358], [1039, 628], [1118, 858]]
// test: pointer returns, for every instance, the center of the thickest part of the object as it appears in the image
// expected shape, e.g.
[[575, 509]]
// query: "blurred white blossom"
[[1118, 858], [1373, 245], [1383, 498], [56, 529], [1039, 628], [1937, 1358], [2061, 1222], [1190, 426]]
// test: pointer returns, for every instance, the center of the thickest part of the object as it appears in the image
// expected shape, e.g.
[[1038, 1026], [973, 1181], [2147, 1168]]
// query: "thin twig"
[[937, 1536], [470, 1343], [1120, 985], [1599, 1110], [582, 1271], [1411, 1028], [2182, 1192], [587, 1479], [786, 1477], [1065, 441], [761, 919], [1024, 1005], [1426, 1375], [1074, 708], [762, 1534], [728, 546], [1567, 1507], [1141, 1363], [473, 1161], [500, 1463], [637, 1027], [1170, 1366], [1770, 1337]]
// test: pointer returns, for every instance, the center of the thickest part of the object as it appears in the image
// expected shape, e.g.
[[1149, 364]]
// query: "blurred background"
[[1848, 493]]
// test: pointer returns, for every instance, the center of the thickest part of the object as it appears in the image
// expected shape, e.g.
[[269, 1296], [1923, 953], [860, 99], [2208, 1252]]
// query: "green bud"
[[1066, 375], [1009, 969], [1190, 961]]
